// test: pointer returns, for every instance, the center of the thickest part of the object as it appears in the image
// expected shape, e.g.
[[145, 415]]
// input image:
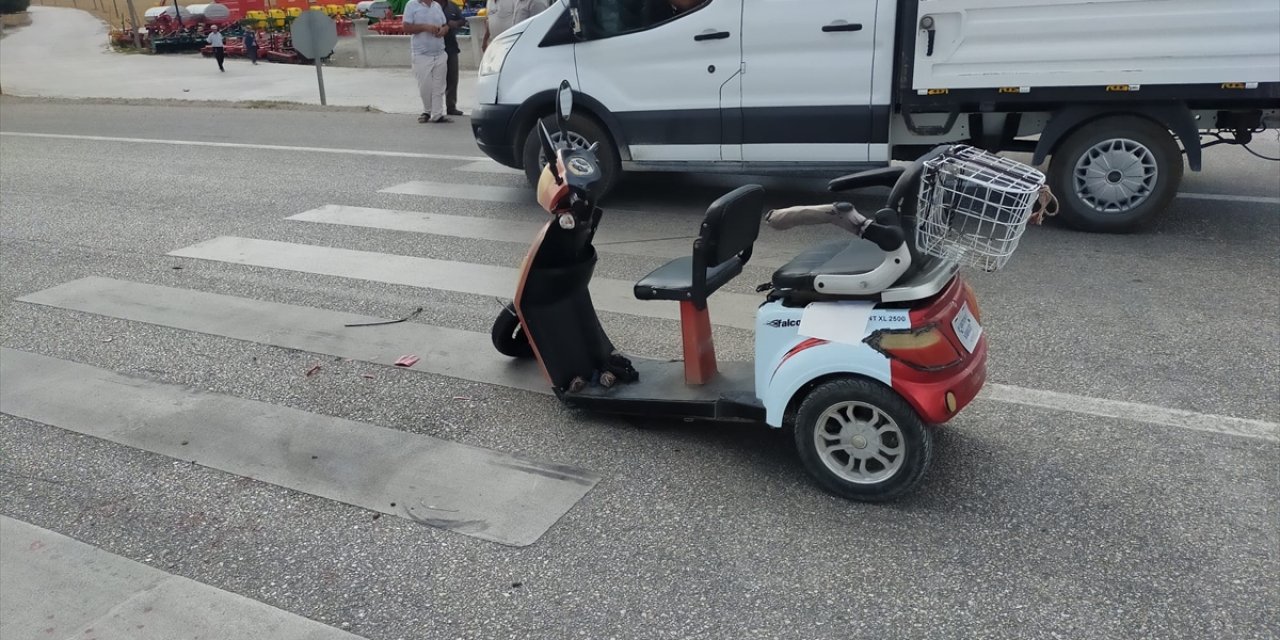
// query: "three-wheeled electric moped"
[[860, 343]]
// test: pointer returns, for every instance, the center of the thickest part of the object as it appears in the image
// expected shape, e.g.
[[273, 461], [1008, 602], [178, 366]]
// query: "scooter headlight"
[[494, 56]]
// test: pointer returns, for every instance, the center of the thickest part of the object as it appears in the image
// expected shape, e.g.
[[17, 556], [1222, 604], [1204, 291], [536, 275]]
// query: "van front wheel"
[[582, 132]]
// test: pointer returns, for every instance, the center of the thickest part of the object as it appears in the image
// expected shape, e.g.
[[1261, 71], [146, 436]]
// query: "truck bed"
[[1124, 45]]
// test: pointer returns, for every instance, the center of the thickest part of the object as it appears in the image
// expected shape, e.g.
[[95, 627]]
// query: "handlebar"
[[882, 177], [883, 230], [889, 228], [899, 178]]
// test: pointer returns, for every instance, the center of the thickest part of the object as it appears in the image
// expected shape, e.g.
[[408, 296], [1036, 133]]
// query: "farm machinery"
[[271, 31], [393, 25], [173, 28]]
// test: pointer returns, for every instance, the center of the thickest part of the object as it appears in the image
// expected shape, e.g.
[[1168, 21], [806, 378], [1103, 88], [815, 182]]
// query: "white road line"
[[489, 166], [442, 350], [470, 356], [608, 240], [727, 309], [469, 490], [1150, 414], [58, 587], [483, 193], [1229, 198], [244, 145], [478, 164]]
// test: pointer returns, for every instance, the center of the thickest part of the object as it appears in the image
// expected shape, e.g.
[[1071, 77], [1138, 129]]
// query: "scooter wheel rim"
[[859, 443]]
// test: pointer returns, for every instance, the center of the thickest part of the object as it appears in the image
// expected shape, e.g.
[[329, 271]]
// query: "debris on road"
[[407, 361], [374, 324], [312, 371]]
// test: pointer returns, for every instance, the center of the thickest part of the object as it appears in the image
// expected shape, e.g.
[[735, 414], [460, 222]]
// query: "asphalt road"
[[1034, 523]]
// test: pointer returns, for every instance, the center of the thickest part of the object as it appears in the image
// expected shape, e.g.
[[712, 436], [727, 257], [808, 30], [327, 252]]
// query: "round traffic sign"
[[314, 34]]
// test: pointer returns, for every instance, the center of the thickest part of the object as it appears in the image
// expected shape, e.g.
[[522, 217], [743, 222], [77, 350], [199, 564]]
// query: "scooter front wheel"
[[862, 441], [508, 336]]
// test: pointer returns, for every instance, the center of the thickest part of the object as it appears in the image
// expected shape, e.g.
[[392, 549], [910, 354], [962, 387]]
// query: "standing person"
[[455, 21], [219, 53], [503, 14], [251, 45], [424, 20]]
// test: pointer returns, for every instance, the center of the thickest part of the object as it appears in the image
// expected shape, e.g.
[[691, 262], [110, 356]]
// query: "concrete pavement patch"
[[469, 490], [58, 587]]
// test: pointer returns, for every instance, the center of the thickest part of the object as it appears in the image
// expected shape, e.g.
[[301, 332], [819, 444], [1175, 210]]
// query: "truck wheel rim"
[[859, 443], [576, 141], [1115, 175]]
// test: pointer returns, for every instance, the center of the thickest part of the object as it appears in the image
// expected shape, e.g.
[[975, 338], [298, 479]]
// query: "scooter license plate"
[[966, 327]]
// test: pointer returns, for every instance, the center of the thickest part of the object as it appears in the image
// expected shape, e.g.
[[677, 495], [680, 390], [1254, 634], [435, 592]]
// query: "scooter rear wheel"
[[862, 441], [508, 336]]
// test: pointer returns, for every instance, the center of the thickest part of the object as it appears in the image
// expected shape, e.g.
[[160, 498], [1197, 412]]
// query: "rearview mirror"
[[564, 103]]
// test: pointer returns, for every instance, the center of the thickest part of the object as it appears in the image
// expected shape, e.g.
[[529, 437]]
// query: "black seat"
[[723, 247], [843, 258]]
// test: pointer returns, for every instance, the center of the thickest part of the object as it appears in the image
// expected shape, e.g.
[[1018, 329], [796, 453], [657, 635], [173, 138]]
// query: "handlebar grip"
[[882, 177], [887, 237]]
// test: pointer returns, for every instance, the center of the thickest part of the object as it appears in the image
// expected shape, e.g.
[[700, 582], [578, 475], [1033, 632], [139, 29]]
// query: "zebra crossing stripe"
[[609, 239], [727, 309], [443, 351], [526, 197], [483, 193], [58, 587], [519, 231], [476, 492], [460, 354], [489, 166]]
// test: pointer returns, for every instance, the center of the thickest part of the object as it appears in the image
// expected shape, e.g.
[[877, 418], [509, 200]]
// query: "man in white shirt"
[[504, 14], [424, 20], [219, 53]]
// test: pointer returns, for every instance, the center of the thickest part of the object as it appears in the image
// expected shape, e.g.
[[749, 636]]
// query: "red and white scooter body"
[[932, 352]]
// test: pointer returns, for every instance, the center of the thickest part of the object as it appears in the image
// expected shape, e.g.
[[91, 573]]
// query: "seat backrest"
[[731, 226]]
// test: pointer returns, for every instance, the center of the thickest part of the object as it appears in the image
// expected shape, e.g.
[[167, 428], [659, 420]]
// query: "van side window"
[[617, 17]]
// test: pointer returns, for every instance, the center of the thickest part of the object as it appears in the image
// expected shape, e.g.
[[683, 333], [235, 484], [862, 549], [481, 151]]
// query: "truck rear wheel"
[[1115, 174], [582, 132]]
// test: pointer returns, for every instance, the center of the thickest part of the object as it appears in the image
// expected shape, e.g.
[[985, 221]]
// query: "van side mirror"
[[564, 104], [580, 13], [575, 19]]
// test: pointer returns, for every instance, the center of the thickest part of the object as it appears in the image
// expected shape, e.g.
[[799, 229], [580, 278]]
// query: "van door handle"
[[841, 25], [711, 35]]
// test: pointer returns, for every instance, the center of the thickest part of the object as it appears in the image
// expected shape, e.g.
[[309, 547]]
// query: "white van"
[[1109, 88]]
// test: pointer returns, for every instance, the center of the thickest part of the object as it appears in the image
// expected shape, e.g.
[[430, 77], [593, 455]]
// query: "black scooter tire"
[[508, 336], [916, 441]]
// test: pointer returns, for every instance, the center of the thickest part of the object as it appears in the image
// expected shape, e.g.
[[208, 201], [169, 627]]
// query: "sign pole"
[[133, 19], [320, 79], [314, 36]]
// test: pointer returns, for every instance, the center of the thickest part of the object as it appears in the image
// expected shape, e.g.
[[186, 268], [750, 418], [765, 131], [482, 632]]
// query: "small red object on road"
[[407, 361], [312, 371]]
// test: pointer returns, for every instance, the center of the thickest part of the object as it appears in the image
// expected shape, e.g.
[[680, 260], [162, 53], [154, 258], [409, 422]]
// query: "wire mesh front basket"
[[974, 206]]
